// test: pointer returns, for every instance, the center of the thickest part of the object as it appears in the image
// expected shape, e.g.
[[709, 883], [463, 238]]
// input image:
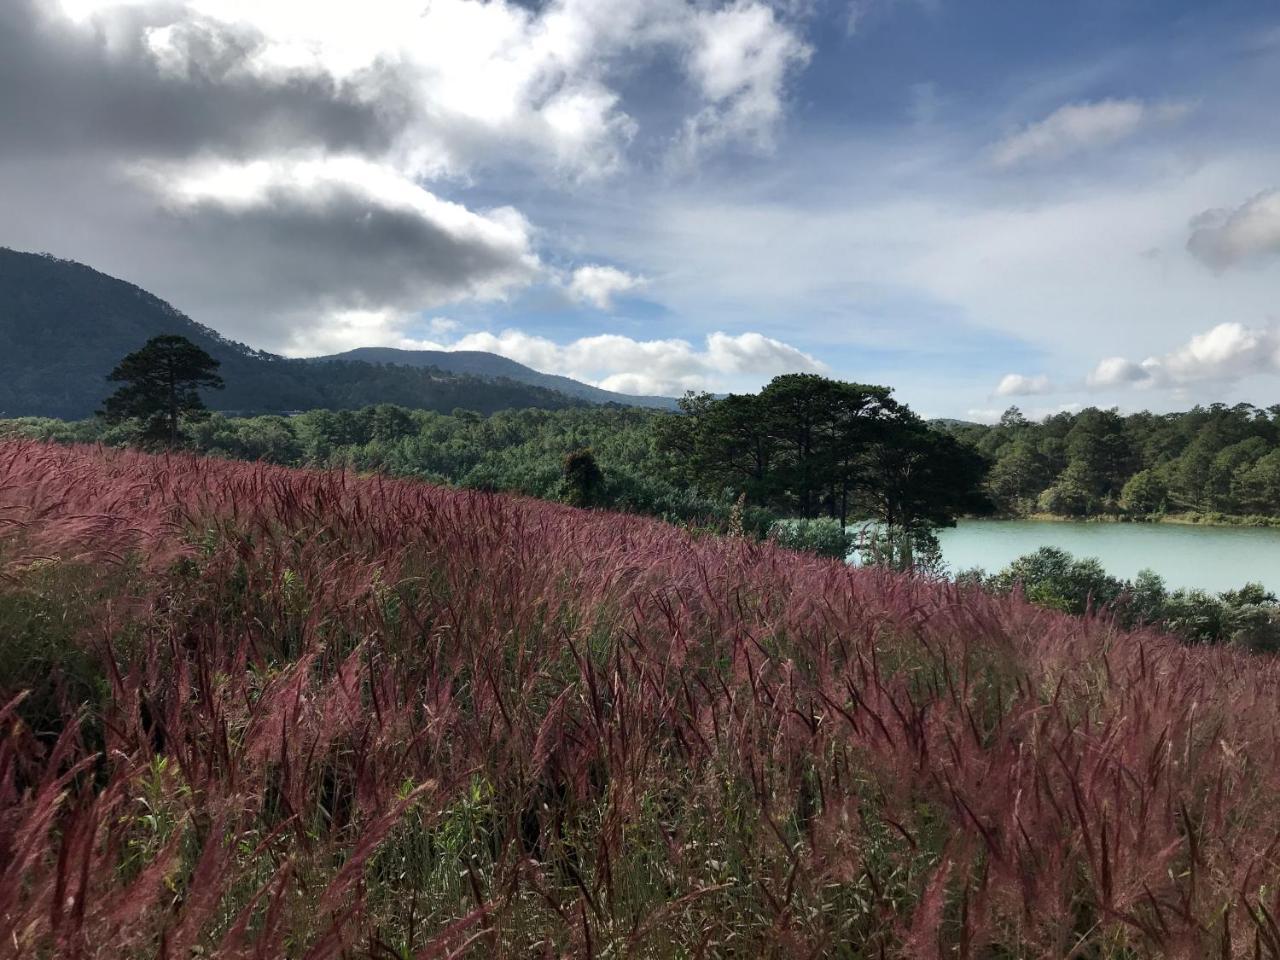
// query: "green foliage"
[[1248, 617], [520, 451], [897, 549], [1017, 478], [808, 446], [1144, 493], [1218, 459], [1258, 486], [1070, 495], [161, 387], [583, 478], [44, 618], [867, 457], [64, 327], [821, 535], [1053, 578]]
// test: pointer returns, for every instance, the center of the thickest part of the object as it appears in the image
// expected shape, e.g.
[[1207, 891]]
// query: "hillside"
[[333, 711], [64, 326], [481, 364]]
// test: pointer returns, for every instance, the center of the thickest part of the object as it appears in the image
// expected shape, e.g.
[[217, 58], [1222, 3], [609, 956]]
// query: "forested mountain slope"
[[481, 364], [64, 326]]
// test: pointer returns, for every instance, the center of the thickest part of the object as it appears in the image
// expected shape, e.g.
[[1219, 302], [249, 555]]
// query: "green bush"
[[1248, 617], [1053, 578], [44, 614], [823, 536], [1144, 494]]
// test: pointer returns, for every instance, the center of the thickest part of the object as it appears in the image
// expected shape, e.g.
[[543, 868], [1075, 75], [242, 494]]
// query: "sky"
[[979, 203]]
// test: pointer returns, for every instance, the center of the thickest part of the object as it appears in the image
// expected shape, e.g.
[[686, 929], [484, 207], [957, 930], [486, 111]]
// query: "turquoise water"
[[1212, 558]]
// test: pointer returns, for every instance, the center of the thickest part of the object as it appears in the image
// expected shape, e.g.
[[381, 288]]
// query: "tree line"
[[808, 446], [1248, 617], [1215, 462], [818, 452]]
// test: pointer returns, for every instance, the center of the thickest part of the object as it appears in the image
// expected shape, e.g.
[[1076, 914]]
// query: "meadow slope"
[[275, 712]]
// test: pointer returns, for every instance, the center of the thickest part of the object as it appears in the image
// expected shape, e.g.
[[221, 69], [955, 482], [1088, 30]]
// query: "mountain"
[[64, 327], [480, 364]]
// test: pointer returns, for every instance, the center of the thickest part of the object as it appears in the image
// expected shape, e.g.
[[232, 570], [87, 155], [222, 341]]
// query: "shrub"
[[822, 536], [46, 611], [1145, 493], [583, 478], [1053, 578]]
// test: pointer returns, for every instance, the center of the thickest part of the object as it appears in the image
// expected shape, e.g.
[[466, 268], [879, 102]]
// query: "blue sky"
[[978, 203]]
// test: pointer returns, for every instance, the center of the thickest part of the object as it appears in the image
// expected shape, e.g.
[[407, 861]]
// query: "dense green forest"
[[808, 446], [698, 469], [813, 451], [1210, 463], [520, 451]]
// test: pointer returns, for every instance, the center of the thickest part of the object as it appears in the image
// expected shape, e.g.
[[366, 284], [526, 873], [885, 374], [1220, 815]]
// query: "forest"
[[1213, 463], [806, 448], [813, 464], [64, 325]]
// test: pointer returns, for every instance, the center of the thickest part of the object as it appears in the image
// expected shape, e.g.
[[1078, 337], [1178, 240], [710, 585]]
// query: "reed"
[[349, 716]]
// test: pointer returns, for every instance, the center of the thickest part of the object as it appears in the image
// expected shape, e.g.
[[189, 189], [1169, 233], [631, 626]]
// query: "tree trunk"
[[173, 409]]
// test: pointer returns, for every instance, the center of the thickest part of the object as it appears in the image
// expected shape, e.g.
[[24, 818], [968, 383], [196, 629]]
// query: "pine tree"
[[162, 384]]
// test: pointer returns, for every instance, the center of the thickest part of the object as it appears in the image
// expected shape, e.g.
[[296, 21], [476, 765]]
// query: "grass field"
[[273, 712]]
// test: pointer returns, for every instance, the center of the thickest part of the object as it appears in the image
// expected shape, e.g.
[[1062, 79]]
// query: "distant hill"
[[64, 326], [481, 364]]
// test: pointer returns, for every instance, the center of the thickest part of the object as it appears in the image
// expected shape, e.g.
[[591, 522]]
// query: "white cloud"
[[610, 361], [741, 57], [1020, 385], [331, 246], [443, 325], [1225, 353], [1117, 372], [860, 12], [649, 366], [467, 81], [598, 285], [344, 330], [1223, 238], [1078, 127], [856, 15], [301, 152]]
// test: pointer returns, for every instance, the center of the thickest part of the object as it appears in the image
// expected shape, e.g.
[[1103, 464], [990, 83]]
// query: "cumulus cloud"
[[274, 166], [1224, 238], [443, 325], [444, 86], [1225, 353], [1117, 372], [598, 285], [740, 59], [668, 367], [1078, 127], [1020, 385], [319, 238], [344, 330]]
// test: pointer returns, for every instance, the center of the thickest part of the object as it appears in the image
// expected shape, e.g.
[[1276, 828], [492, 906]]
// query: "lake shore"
[[1192, 555], [1190, 518]]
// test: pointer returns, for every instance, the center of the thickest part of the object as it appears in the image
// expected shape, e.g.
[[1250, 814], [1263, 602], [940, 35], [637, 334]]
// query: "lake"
[[1212, 558]]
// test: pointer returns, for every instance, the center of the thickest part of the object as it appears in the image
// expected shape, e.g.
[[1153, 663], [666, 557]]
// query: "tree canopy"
[[161, 385], [1215, 459], [809, 446]]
